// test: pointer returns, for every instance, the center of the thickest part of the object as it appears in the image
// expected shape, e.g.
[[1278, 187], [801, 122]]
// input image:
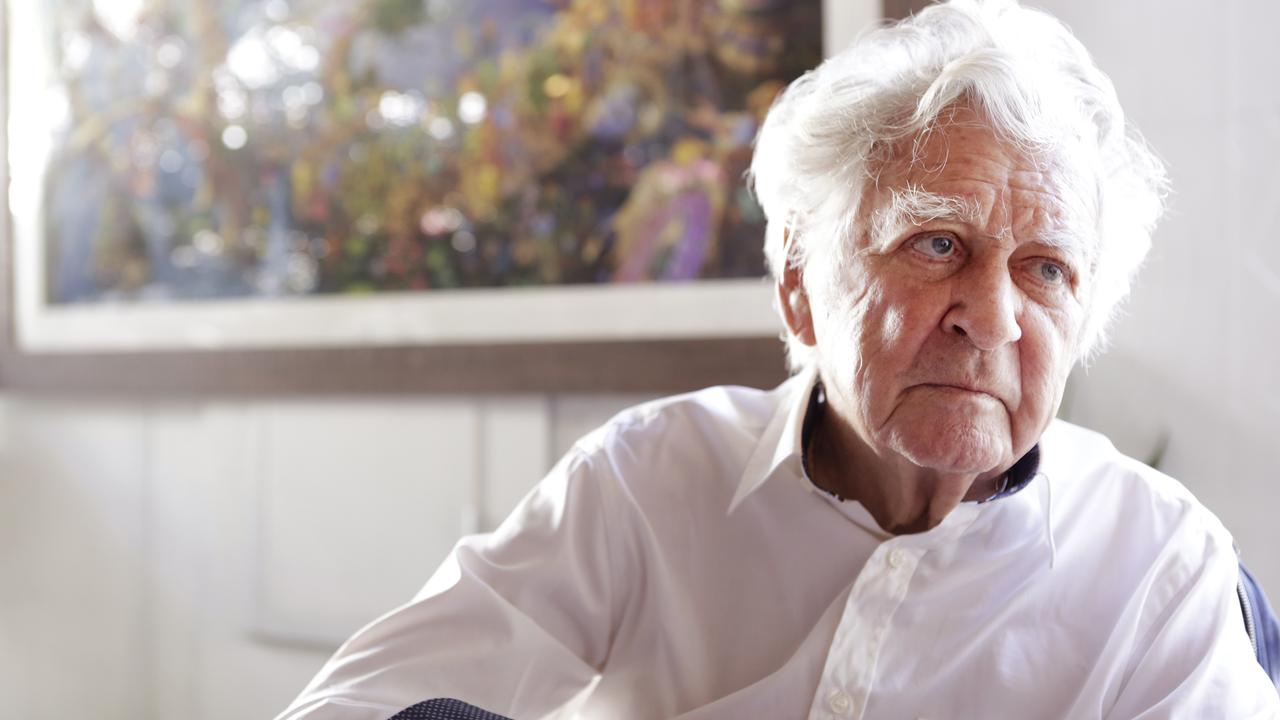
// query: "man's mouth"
[[961, 387]]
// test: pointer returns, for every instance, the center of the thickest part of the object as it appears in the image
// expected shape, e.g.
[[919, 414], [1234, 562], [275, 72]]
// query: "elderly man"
[[956, 206]]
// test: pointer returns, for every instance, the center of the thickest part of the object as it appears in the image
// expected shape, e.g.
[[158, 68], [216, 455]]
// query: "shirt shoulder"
[[694, 445], [707, 417], [1123, 502], [1087, 463], [1155, 573]]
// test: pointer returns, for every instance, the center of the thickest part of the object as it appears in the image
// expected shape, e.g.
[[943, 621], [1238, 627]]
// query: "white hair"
[[829, 134]]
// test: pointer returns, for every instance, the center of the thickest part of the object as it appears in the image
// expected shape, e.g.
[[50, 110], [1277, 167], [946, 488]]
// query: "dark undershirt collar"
[[1018, 477]]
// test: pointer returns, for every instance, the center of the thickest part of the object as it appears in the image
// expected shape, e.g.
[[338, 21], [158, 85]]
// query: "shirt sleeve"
[[1192, 658], [516, 622]]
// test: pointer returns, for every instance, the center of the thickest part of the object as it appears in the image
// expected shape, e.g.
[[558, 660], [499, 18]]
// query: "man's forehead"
[[966, 173], [975, 153], [963, 139]]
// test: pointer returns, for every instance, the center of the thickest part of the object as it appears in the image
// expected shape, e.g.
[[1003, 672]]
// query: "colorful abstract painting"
[[273, 148]]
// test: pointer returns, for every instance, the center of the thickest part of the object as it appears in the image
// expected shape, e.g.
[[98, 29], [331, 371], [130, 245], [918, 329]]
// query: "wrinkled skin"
[[945, 346]]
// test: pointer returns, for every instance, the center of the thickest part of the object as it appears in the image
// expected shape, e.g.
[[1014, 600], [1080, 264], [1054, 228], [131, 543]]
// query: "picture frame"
[[643, 338]]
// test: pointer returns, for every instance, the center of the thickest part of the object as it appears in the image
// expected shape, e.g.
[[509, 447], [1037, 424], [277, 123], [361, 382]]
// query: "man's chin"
[[958, 448]]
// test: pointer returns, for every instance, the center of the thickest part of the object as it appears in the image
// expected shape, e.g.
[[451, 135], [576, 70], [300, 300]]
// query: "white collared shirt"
[[678, 563]]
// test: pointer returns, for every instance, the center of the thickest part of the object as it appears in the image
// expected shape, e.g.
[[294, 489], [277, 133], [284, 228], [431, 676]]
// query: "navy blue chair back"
[[1261, 622], [445, 709]]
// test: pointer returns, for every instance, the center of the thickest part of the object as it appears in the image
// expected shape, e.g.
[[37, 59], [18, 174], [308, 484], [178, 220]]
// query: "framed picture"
[[435, 195]]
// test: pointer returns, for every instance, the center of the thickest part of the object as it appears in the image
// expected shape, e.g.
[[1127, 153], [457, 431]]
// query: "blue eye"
[[1052, 272], [938, 246]]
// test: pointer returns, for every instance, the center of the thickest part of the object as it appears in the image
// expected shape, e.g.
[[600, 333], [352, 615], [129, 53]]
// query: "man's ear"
[[794, 299]]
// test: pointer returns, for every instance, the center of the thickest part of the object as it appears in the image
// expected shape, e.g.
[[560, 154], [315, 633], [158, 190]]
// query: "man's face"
[[948, 338]]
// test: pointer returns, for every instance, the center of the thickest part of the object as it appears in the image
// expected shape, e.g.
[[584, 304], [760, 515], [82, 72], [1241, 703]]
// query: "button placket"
[[849, 672], [874, 599], [839, 703]]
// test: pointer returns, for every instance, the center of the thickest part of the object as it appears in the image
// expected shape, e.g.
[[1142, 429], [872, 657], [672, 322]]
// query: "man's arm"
[[516, 622], [1192, 657]]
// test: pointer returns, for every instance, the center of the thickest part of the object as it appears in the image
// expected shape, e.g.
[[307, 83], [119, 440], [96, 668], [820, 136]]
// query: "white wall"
[[199, 559]]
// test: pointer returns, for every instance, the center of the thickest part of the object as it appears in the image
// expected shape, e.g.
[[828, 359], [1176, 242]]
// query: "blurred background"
[[199, 554]]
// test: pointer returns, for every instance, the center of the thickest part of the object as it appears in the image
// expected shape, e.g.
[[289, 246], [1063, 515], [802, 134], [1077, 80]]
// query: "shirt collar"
[[780, 445], [1019, 476], [785, 437]]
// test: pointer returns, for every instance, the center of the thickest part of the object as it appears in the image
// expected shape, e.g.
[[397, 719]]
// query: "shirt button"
[[839, 702], [897, 558]]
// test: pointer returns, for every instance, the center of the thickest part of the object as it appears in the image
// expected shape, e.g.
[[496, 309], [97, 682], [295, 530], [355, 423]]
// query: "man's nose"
[[984, 307]]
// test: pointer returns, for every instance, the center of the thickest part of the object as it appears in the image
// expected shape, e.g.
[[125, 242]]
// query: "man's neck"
[[906, 499], [902, 497]]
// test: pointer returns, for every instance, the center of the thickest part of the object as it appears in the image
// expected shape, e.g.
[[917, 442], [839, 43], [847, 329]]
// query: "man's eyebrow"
[[1069, 242], [912, 205], [915, 206]]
